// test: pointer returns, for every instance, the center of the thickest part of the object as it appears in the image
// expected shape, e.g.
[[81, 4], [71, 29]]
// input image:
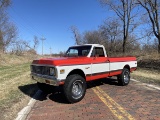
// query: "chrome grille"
[[44, 70]]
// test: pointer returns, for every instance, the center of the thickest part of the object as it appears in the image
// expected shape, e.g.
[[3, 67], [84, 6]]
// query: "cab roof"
[[89, 44]]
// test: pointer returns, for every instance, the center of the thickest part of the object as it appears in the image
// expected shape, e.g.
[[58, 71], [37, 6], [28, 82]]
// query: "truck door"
[[99, 64]]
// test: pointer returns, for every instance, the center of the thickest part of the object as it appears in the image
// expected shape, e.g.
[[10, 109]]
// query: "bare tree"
[[152, 8], [35, 42], [4, 4], [111, 31], [18, 47], [32, 47], [125, 10], [7, 29], [77, 36], [93, 37], [8, 36]]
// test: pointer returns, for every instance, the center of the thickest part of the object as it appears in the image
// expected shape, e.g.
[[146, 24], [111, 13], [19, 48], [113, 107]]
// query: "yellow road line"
[[110, 106], [115, 108], [116, 104]]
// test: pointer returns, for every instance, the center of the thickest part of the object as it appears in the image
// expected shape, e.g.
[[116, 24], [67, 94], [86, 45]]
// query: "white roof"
[[89, 44]]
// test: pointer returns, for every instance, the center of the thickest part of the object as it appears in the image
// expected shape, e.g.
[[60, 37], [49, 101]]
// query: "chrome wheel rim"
[[77, 89], [126, 77]]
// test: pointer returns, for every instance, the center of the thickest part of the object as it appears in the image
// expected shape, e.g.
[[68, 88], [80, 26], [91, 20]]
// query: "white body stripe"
[[98, 68], [85, 68], [94, 68], [120, 65]]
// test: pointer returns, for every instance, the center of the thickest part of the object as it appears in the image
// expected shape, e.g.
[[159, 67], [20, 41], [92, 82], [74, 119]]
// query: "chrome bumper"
[[51, 80]]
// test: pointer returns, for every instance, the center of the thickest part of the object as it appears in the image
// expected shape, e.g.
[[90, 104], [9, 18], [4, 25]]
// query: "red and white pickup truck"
[[80, 64]]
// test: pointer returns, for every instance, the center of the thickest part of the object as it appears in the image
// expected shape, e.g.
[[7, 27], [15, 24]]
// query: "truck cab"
[[91, 50]]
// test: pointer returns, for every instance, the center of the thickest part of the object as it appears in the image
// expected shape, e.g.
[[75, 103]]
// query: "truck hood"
[[63, 61]]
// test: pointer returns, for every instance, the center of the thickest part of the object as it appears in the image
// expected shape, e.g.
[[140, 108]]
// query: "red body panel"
[[68, 61], [115, 73], [94, 77], [62, 61], [121, 59]]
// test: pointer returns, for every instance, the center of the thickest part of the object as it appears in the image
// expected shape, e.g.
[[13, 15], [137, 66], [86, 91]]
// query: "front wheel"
[[124, 78], [74, 88]]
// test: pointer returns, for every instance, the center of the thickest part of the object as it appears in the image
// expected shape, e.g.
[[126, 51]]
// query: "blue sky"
[[53, 19]]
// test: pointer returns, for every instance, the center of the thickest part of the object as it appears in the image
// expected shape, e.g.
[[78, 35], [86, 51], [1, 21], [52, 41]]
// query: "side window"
[[98, 52], [85, 52]]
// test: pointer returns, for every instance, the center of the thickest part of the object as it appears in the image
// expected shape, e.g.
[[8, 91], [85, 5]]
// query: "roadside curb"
[[148, 85], [25, 111]]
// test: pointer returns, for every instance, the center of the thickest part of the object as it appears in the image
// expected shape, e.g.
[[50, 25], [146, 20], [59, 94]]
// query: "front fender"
[[86, 69]]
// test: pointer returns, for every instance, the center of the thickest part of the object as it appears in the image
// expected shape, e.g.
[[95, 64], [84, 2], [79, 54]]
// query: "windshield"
[[78, 51]]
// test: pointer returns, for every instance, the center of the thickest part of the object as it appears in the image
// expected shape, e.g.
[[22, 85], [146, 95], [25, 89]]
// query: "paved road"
[[104, 100]]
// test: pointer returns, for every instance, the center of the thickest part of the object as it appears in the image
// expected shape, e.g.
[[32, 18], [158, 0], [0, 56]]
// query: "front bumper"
[[51, 80]]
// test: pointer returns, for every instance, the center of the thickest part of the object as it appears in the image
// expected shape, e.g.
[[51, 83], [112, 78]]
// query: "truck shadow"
[[57, 95], [99, 82], [29, 89], [34, 92]]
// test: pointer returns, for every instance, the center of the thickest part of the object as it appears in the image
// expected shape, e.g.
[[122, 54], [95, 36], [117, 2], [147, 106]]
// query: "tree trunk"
[[124, 44]]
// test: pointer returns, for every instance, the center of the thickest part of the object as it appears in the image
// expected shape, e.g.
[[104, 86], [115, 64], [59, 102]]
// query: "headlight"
[[52, 71]]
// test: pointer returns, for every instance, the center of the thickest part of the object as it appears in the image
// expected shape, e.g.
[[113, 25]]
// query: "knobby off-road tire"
[[74, 88], [46, 88], [124, 78]]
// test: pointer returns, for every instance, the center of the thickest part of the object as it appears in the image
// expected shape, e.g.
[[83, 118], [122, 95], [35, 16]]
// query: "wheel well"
[[127, 66], [77, 71]]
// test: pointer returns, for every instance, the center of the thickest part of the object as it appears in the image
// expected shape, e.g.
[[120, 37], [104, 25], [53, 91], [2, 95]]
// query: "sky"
[[52, 20]]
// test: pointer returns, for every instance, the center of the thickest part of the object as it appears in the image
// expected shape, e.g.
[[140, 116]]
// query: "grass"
[[15, 89], [13, 71], [147, 76], [7, 60]]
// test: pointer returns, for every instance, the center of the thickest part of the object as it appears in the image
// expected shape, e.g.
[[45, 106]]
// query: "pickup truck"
[[81, 63]]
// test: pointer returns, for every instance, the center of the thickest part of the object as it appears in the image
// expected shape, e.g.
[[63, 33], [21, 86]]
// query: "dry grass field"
[[147, 76], [12, 99], [148, 70], [16, 86], [11, 59]]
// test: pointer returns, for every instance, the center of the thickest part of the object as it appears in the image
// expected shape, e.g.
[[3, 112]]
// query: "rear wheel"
[[124, 78], [74, 88]]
